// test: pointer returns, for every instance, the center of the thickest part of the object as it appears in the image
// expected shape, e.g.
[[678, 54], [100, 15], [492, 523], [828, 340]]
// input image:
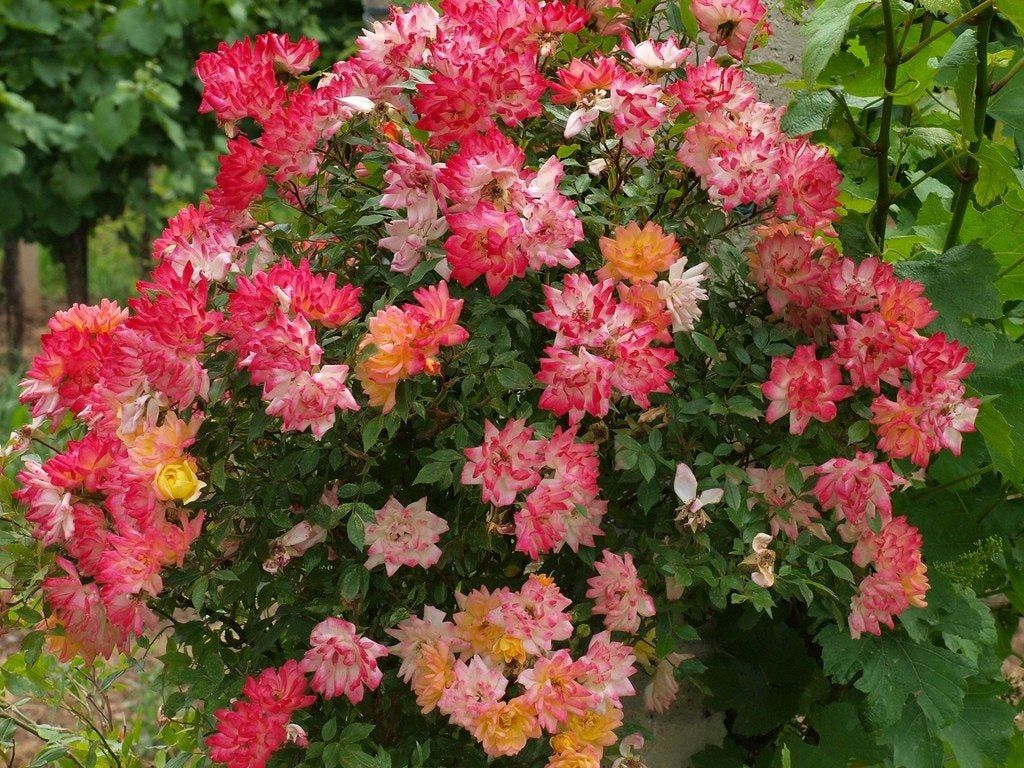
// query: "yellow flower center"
[[510, 649]]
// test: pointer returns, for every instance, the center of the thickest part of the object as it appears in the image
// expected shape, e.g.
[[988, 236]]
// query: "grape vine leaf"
[[761, 673], [959, 284], [893, 669], [913, 743], [825, 32], [964, 623], [1014, 11], [942, 6], [896, 668], [981, 735]]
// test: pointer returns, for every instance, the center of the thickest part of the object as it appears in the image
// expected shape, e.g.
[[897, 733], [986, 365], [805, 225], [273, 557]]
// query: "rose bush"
[[509, 356]]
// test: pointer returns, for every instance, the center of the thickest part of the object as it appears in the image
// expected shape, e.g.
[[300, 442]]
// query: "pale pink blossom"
[[618, 593], [341, 661], [663, 688], [309, 400], [506, 463], [404, 535], [657, 56], [683, 292]]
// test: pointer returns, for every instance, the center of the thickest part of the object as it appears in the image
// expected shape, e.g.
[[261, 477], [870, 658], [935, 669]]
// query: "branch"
[[998, 85], [981, 94], [892, 65], [965, 17]]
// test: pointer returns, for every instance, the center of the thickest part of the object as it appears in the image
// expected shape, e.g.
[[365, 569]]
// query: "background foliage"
[[98, 105]]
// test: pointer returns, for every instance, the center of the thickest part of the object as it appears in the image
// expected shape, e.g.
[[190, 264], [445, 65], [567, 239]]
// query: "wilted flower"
[[762, 560], [293, 544], [690, 512]]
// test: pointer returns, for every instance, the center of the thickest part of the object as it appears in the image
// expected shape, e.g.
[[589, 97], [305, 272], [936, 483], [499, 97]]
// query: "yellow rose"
[[574, 759], [177, 481]]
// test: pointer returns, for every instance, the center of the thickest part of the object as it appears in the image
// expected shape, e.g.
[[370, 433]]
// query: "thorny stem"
[[981, 94]]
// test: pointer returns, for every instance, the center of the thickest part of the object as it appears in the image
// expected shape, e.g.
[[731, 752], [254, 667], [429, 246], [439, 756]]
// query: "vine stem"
[[986, 5], [998, 85], [892, 64], [981, 94], [930, 174], [950, 483]]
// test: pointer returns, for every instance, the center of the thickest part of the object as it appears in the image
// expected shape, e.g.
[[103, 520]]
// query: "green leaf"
[[431, 473], [198, 595], [942, 6], [962, 51], [896, 669], [995, 172], [760, 673], [356, 530], [31, 16], [114, 121], [913, 743], [964, 622], [12, 160], [825, 32], [929, 137], [898, 674], [809, 112], [963, 90], [355, 732], [32, 647], [1000, 229], [516, 376], [999, 439], [841, 740], [959, 284], [1008, 104], [141, 29], [982, 732], [768, 68], [1006, 381], [371, 431], [1014, 11]]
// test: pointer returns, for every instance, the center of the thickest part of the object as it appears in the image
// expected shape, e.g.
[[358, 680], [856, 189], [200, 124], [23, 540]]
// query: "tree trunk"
[[75, 248], [29, 289], [14, 308]]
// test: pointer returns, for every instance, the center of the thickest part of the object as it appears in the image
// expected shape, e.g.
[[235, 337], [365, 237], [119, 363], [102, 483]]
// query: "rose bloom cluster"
[[228, 320], [869, 323], [494, 670], [561, 473]]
